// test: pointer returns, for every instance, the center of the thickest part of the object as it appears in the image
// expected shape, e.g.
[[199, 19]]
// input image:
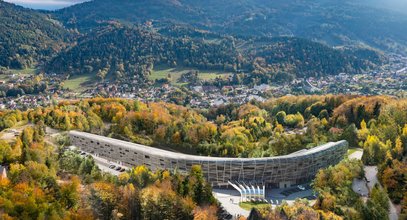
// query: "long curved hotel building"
[[281, 171]]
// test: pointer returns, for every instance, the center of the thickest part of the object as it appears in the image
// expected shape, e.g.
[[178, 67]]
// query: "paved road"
[[360, 187], [51, 131], [104, 164], [229, 199], [393, 213], [363, 188], [371, 176]]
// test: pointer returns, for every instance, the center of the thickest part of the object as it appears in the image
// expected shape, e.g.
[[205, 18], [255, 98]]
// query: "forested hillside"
[[118, 50], [335, 22], [250, 130], [304, 58], [27, 36], [46, 180], [378, 124], [122, 50]]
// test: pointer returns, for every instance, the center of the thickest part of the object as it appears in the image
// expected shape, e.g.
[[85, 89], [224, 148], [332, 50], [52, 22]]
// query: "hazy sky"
[[45, 4]]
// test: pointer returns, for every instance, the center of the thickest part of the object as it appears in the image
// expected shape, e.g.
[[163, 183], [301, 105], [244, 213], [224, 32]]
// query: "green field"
[[353, 150], [250, 205], [9, 72], [211, 75], [164, 73], [26, 71], [175, 74], [78, 83]]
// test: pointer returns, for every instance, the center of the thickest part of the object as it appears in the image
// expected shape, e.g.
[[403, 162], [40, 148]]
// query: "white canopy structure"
[[249, 191]]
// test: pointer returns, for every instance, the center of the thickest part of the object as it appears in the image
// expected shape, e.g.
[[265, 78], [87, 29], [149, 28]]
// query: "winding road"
[[371, 181]]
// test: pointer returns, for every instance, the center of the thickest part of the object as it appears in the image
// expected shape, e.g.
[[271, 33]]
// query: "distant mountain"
[[128, 38], [305, 58], [119, 50], [27, 36], [336, 22]]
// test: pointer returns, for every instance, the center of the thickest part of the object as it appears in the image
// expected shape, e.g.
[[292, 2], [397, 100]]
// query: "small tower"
[[3, 172]]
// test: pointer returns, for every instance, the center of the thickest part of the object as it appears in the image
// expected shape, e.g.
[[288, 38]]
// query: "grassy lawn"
[[162, 73], [175, 73], [250, 205], [353, 150], [26, 71], [77, 83], [3, 77], [208, 75]]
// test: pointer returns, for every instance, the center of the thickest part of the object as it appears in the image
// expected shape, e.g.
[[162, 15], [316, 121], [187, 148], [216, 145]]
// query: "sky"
[[45, 4], [396, 5]]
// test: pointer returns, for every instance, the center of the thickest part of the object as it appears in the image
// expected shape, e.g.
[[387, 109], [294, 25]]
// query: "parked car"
[[118, 168], [112, 166]]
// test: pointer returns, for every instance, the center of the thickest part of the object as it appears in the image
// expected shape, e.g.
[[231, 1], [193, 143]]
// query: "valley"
[[203, 110], [207, 89]]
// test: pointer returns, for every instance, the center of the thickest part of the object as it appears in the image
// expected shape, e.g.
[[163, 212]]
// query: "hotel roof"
[[175, 155]]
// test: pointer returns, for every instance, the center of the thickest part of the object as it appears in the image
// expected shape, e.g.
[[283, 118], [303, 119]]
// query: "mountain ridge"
[[28, 36], [132, 43], [333, 22], [124, 50]]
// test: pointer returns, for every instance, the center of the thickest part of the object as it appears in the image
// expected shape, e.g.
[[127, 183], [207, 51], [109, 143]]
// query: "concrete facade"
[[281, 171]]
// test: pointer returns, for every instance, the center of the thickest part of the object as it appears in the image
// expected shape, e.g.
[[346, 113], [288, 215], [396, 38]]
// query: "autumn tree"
[[69, 193], [374, 150], [130, 203], [377, 206], [201, 192], [103, 198]]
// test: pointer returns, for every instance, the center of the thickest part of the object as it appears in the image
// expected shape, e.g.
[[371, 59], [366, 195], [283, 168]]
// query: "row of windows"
[[218, 171]]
